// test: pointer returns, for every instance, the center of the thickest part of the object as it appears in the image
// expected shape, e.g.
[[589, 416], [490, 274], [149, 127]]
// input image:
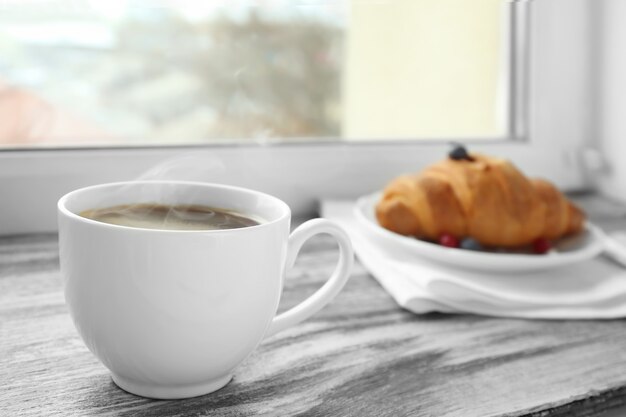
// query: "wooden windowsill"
[[361, 355]]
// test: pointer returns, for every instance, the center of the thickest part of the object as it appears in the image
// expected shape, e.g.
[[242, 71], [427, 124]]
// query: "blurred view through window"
[[79, 72]]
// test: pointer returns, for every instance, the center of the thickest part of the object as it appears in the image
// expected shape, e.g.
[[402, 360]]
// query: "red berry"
[[448, 240], [541, 246]]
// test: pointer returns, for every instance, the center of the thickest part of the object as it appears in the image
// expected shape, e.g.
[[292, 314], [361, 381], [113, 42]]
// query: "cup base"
[[164, 392]]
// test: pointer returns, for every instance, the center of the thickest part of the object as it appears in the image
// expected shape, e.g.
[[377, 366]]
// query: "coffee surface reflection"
[[174, 217]]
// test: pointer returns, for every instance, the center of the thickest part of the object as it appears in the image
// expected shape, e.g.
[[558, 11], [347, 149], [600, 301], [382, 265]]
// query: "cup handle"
[[331, 288]]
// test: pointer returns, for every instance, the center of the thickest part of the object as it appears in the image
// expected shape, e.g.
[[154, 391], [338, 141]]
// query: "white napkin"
[[588, 290]]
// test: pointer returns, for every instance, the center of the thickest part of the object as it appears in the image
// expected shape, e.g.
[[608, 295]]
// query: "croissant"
[[485, 198]]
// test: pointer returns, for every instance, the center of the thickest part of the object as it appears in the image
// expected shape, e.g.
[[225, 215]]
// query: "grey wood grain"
[[360, 356]]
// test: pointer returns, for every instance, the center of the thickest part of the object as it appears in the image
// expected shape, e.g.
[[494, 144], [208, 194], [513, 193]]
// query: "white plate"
[[585, 245]]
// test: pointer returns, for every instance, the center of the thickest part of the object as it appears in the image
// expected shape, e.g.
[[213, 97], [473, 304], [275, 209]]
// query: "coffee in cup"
[[168, 217]]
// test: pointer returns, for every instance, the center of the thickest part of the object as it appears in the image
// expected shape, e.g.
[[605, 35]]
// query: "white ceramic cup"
[[172, 313]]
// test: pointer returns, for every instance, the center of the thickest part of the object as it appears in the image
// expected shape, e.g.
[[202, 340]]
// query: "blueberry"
[[459, 153], [471, 244]]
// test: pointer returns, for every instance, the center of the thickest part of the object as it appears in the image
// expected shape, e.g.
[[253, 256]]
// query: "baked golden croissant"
[[480, 197]]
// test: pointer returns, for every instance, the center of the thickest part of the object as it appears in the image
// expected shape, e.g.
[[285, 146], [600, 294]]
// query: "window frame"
[[549, 130]]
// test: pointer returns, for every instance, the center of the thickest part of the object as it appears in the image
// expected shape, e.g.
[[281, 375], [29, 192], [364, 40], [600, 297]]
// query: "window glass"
[[79, 72]]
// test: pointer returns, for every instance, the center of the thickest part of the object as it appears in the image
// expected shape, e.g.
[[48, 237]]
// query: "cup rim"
[[62, 209]]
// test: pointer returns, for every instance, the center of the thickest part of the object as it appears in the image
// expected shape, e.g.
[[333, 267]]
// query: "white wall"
[[562, 73], [611, 84]]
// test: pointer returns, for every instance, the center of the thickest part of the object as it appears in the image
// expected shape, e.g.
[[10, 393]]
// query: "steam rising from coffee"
[[200, 166], [150, 209]]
